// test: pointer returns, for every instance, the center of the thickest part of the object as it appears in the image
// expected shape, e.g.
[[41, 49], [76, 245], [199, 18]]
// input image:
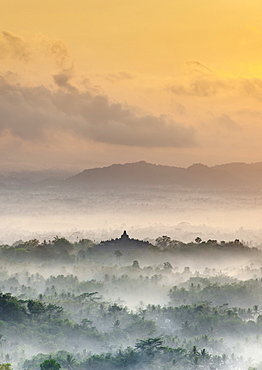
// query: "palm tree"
[[70, 361]]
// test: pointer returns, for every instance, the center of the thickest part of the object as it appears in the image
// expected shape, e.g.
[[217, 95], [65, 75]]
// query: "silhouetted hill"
[[139, 173], [143, 173], [247, 174]]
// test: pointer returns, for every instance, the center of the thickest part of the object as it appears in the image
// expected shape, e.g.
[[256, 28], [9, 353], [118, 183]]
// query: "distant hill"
[[31, 178], [246, 174], [230, 175]]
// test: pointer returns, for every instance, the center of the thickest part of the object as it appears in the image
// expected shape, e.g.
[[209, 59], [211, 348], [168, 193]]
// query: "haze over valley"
[[149, 200], [130, 185]]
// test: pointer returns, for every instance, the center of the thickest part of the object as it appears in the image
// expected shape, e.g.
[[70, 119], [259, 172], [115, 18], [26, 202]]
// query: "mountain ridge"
[[236, 174]]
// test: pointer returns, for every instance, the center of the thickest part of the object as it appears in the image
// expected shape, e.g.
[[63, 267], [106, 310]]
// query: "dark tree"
[[50, 364]]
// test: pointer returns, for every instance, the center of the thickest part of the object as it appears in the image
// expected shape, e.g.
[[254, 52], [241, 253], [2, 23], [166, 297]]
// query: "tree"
[[70, 361], [163, 241], [35, 307], [136, 265], [86, 243], [62, 245], [118, 254], [33, 243], [50, 364], [5, 366], [149, 346], [167, 266], [116, 324], [198, 240]]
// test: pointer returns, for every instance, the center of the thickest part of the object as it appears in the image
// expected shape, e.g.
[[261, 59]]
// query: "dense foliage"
[[72, 305]]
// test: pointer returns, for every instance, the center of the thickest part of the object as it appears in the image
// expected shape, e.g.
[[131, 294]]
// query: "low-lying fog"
[[203, 304], [103, 213], [188, 301]]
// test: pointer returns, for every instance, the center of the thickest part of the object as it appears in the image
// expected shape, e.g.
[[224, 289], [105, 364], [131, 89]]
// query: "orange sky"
[[88, 83]]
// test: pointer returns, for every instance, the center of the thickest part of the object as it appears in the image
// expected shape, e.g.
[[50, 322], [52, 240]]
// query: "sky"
[[88, 83]]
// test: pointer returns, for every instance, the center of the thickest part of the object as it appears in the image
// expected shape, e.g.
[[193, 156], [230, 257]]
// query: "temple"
[[124, 243], [124, 236]]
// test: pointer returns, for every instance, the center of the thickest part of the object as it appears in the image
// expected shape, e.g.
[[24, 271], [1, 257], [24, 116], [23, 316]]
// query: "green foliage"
[[149, 346], [50, 364], [79, 307], [11, 308], [5, 366], [35, 307]]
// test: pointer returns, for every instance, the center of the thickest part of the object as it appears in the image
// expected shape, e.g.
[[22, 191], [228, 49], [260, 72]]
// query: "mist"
[[132, 266], [46, 208], [129, 277], [150, 298]]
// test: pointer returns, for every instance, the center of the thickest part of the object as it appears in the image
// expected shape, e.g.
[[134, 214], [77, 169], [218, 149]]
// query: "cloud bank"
[[34, 113]]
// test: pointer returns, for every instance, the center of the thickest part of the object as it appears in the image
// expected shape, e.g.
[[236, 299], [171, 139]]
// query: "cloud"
[[249, 112], [14, 46], [201, 81], [220, 128], [195, 67], [40, 112], [225, 122], [210, 87], [119, 76], [63, 78], [179, 108], [57, 49], [203, 88], [252, 87]]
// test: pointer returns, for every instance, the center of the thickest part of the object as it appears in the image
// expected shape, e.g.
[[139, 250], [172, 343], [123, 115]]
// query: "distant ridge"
[[195, 176]]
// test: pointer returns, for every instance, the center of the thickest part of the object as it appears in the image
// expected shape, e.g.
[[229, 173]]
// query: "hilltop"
[[198, 175]]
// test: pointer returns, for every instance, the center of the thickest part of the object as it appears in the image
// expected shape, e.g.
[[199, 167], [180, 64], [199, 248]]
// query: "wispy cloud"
[[210, 87], [119, 76], [57, 50], [191, 67], [14, 46], [202, 87]]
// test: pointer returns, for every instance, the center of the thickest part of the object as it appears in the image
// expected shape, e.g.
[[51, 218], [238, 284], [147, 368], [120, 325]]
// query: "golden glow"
[[145, 35], [194, 61]]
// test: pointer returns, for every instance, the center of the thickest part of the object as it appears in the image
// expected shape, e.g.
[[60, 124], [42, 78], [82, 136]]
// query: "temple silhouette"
[[124, 236], [124, 243]]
